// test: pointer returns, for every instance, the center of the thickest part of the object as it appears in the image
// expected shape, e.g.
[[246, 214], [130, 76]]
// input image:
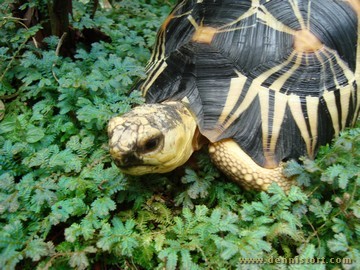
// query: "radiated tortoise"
[[264, 81]]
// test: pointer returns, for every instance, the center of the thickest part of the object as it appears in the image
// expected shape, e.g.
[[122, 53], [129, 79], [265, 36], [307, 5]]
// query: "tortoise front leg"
[[235, 163]]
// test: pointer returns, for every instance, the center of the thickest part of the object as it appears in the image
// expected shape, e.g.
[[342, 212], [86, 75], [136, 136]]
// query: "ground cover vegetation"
[[63, 203]]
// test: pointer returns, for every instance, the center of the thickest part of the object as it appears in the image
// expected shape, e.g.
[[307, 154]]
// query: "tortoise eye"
[[152, 144]]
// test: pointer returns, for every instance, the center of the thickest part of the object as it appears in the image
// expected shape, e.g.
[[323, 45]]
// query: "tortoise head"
[[152, 138]]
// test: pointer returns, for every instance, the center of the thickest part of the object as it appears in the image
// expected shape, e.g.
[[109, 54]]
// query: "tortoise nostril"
[[118, 163], [126, 160]]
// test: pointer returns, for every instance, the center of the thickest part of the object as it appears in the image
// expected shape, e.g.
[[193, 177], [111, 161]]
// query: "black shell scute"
[[280, 77]]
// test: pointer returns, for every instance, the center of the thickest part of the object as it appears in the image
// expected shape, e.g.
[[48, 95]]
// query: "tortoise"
[[263, 81]]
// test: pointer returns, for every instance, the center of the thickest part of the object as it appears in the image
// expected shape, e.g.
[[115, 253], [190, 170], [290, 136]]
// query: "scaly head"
[[152, 138]]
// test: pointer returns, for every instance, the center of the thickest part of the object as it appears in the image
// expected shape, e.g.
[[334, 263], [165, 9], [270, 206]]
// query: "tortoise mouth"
[[137, 169], [128, 162]]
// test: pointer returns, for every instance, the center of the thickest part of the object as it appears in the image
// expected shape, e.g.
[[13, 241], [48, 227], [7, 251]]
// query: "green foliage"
[[63, 204]]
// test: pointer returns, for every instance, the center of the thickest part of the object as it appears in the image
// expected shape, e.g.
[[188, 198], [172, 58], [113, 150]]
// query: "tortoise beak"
[[126, 160]]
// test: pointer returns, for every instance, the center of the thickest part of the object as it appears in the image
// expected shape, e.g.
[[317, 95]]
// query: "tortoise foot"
[[236, 164]]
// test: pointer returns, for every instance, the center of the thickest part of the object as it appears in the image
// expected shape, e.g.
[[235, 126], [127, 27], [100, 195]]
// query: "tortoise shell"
[[280, 77]]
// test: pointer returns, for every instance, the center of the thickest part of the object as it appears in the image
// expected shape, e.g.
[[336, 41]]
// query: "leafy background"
[[63, 203]]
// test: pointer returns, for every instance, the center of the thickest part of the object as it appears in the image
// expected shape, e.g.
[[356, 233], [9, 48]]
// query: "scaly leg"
[[235, 163]]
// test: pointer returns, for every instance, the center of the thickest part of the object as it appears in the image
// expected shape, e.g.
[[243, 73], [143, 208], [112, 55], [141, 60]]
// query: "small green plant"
[[63, 204]]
